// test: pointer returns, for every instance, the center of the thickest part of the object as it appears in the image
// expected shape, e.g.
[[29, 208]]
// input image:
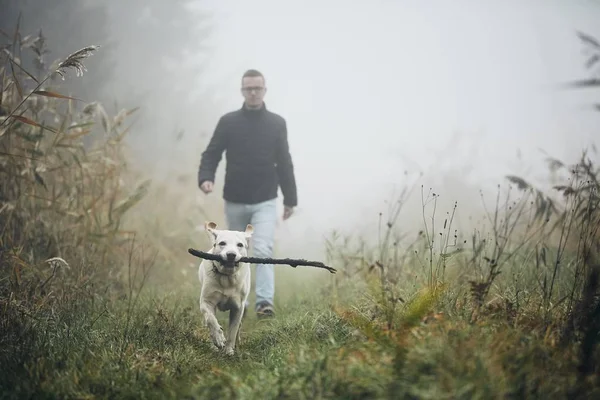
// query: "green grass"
[[96, 349], [163, 351]]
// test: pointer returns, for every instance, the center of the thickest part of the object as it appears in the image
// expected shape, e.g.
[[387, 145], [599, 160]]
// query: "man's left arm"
[[285, 170]]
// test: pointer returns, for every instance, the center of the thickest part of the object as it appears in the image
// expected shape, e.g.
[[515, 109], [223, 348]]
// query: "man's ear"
[[249, 230], [211, 228]]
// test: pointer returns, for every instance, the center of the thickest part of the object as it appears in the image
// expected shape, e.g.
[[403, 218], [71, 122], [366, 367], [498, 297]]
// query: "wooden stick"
[[255, 260]]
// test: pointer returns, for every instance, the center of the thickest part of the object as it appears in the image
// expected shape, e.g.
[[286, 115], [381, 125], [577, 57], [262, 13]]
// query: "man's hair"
[[251, 73]]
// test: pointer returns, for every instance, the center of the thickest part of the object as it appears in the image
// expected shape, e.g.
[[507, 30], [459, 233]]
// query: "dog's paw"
[[229, 350], [218, 338]]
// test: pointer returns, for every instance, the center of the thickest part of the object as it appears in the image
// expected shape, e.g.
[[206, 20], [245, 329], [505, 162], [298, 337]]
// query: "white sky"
[[390, 85]]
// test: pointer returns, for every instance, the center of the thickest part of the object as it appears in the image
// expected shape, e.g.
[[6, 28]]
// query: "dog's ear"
[[211, 228], [249, 230]]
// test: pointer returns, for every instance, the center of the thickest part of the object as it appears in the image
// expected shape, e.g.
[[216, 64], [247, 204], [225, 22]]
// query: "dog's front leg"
[[235, 321], [210, 320]]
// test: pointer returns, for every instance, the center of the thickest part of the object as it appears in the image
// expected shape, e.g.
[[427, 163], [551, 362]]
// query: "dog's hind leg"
[[238, 340], [235, 322]]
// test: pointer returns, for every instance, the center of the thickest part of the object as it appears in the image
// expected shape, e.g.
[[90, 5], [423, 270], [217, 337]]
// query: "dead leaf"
[[48, 93], [72, 136], [28, 121]]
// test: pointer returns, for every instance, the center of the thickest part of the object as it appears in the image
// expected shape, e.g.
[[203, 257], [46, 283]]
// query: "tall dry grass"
[[65, 188], [530, 270]]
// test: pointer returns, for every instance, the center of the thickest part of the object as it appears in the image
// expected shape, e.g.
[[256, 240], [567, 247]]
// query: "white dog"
[[225, 284]]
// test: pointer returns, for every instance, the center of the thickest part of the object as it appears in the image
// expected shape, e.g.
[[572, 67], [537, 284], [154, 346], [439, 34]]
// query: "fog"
[[375, 94], [456, 90]]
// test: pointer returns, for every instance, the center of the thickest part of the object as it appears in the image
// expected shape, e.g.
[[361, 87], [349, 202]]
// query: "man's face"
[[253, 90]]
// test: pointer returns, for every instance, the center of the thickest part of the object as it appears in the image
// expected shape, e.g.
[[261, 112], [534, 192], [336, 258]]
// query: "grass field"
[[317, 347], [97, 299]]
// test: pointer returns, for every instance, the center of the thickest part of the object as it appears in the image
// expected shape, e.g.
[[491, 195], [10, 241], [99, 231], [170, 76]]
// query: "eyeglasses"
[[253, 88]]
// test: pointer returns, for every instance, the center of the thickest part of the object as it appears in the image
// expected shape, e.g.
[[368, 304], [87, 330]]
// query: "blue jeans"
[[263, 217]]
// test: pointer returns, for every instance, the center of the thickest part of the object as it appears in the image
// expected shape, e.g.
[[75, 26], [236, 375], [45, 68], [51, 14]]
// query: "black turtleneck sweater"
[[258, 157]]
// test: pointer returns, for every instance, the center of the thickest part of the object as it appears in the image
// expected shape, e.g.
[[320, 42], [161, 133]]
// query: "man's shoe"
[[264, 310]]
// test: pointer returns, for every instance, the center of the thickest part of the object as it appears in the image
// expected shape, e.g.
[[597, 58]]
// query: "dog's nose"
[[231, 256]]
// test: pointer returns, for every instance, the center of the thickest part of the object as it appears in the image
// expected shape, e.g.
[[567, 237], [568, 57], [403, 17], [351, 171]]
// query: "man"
[[258, 163]]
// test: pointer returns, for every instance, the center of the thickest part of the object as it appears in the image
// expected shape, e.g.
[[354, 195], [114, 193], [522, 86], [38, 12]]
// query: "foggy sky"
[[455, 90]]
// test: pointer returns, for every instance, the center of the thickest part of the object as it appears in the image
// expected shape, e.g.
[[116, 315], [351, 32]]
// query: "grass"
[[166, 353], [310, 351], [508, 310]]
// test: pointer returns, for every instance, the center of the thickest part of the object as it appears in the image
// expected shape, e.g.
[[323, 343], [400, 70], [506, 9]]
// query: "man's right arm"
[[212, 155]]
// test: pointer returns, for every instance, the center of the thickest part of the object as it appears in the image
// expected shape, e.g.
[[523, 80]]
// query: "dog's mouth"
[[229, 264]]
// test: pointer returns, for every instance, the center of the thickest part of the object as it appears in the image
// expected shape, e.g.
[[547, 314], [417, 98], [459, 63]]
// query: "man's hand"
[[207, 187], [287, 212]]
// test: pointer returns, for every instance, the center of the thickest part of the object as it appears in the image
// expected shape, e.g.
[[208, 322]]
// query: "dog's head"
[[230, 245]]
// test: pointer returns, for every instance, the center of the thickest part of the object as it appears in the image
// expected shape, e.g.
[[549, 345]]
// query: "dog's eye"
[[222, 244], [240, 244]]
